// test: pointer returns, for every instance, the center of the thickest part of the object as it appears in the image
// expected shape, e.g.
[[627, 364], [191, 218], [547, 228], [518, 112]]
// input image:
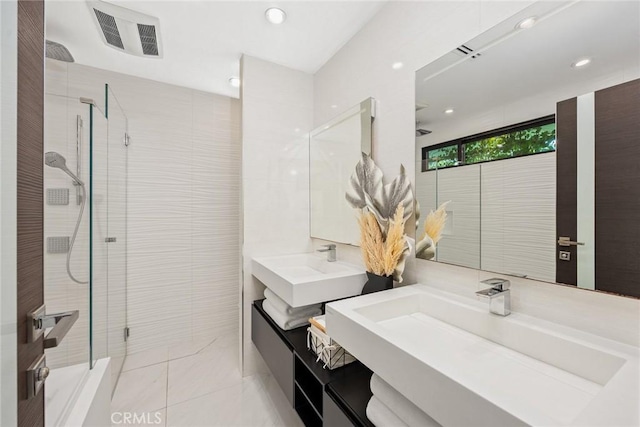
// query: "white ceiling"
[[533, 64], [203, 40]]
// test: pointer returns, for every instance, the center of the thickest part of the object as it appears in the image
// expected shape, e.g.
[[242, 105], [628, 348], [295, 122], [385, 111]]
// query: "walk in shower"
[[85, 231]]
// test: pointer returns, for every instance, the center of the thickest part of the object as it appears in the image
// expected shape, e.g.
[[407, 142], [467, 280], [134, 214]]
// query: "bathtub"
[[75, 397]]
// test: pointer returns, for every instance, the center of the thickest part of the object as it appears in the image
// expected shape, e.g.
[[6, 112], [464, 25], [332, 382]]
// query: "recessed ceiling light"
[[527, 23], [234, 81], [397, 65], [334, 106], [581, 63], [275, 15], [448, 111]]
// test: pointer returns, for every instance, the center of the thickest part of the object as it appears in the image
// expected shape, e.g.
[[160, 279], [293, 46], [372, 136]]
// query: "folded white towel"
[[409, 413], [381, 416], [280, 305], [283, 320]]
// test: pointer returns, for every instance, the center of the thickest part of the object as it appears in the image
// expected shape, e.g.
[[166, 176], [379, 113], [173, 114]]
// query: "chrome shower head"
[[56, 160], [57, 51]]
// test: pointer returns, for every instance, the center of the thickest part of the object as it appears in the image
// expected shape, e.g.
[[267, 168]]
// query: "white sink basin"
[[305, 279], [465, 366]]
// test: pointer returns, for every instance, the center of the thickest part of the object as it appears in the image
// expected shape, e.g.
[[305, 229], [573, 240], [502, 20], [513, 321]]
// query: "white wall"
[[460, 242], [277, 111], [183, 204], [8, 129], [61, 293], [417, 33], [518, 216]]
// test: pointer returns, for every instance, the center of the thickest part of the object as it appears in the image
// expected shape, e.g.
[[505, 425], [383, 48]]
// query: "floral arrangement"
[[383, 211]]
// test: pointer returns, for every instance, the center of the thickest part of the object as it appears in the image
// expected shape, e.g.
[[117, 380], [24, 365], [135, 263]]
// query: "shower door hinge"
[[126, 139], [126, 333], [110, 239]]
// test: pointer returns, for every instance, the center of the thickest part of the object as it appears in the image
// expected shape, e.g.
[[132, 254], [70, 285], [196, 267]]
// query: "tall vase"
[[377, 283]]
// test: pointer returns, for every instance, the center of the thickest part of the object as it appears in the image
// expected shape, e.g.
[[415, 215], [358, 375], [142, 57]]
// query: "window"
[[523, 139]]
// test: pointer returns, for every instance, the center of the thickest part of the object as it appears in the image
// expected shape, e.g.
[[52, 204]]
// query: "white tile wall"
[[277, 105], [62, 294], [519, 216], [183, 205], [460, 242], [417, 33]]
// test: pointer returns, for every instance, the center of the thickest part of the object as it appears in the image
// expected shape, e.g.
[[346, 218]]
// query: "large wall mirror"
[[531, 133], [335, 149]]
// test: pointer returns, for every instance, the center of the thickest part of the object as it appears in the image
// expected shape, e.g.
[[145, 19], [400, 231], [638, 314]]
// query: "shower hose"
[[73, 237]]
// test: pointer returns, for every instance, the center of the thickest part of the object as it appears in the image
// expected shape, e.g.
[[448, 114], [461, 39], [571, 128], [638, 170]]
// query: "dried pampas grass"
[[395, 243], [435, 222], [371, 242], [381, 256]]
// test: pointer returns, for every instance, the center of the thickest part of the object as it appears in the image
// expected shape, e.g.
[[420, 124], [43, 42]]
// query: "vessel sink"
[[465, 366], [304, 279]]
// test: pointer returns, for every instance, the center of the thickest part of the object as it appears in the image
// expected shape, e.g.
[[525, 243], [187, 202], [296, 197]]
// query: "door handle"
[[61, 323], [566, 241]]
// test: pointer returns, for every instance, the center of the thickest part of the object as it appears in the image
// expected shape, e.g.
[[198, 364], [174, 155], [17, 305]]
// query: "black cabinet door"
[[333, 416], [275, 352]]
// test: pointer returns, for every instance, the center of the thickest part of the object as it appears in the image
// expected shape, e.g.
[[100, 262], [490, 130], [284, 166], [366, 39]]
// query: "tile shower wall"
[[61, 293], [417, 33], [277, 116], [183, 204]]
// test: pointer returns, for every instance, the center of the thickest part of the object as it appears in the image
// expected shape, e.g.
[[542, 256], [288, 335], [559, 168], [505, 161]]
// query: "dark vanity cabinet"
[[276, 352], [321, 397]]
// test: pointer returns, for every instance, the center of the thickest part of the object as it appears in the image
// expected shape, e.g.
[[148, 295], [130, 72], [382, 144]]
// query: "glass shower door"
[[117, 231], [109, 237], [67, 195]]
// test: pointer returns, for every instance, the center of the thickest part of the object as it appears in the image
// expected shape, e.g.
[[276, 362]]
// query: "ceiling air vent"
[[109, 29], [148, 39], [127, 30], [465, 51]]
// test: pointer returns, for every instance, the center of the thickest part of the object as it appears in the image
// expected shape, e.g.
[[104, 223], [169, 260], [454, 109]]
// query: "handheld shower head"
[[56, 160]]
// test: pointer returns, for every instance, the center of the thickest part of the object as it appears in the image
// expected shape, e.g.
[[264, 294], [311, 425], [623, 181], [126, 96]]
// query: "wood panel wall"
[[567, 187], [29, 196], [617, 198]]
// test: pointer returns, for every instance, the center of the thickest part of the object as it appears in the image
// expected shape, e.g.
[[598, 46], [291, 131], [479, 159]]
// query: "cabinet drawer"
[[275, 352]]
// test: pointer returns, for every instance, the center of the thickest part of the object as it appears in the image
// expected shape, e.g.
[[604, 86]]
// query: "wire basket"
[[328, 351]]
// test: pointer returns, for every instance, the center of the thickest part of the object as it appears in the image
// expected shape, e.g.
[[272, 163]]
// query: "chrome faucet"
[[331, 252], [499, 295]]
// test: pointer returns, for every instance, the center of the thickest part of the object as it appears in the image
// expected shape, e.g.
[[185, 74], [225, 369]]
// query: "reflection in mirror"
[[533, 137], [335, 149]]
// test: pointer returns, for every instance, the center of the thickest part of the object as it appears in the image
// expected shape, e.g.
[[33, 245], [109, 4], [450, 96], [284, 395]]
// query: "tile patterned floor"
[[198, 386]]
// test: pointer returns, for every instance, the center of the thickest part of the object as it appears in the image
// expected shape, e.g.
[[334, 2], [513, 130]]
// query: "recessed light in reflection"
[[527, 23], [275, 15], [334, 106], [448, 111], [397, 65], [581, 63], [293, 172]]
